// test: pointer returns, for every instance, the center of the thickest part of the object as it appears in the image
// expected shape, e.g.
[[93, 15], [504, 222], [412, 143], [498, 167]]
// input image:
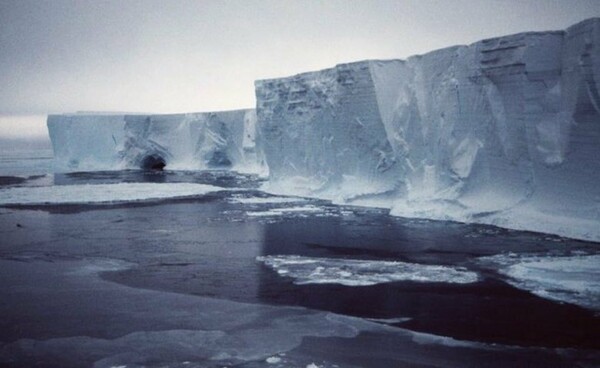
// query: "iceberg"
[[193, 141], [505, 131]]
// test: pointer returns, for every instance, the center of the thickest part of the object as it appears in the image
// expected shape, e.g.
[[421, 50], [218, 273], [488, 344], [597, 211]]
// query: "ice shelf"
[[193, 141], [505, 131]]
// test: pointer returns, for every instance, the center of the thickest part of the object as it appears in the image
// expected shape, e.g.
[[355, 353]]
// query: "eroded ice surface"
[[101, 193], [354, 272], [571, 279]]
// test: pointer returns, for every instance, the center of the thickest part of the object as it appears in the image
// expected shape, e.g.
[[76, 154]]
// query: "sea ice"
[[354, 272], [266, 200], [101, 193], [571, 279], [285, 211]]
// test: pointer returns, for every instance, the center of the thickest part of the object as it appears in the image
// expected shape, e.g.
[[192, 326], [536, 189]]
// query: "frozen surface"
[[181, 141], [134, 327], [571, 279], [505, 131], [101, 193], [354, 272]]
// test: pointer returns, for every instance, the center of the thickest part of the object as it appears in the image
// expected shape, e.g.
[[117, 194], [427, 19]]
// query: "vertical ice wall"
[[505, 131], [86, 142], [178, 141], [322, 134]]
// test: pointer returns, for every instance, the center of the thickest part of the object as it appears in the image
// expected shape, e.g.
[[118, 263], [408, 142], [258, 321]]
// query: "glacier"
[[505, 131]]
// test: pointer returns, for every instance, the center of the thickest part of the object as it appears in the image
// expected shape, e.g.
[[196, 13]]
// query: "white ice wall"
[[322, 134], [505, 131], [185, 141]]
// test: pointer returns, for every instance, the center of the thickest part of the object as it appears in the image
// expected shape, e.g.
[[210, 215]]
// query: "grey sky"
[[173, 56]]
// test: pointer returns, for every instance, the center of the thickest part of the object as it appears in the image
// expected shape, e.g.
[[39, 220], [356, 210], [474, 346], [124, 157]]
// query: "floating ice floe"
[[354, 272], [101, 193], [285, 210], [266, 200], [571, 279]]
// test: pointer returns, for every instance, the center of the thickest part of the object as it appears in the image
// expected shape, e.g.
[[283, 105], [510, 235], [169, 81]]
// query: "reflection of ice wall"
[[181, 141], [505, 131]]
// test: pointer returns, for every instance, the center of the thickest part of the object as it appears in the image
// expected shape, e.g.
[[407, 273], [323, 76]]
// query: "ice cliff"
[[194, 141], [505, 131]]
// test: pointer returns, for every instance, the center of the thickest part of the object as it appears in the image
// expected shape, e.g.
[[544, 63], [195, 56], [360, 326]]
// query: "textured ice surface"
[[505, 131], [101, 193], [354, 272], [571, 279], [181, 141]]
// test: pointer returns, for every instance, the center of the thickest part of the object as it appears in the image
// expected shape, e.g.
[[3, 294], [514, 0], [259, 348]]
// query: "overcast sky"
[[177, 56]]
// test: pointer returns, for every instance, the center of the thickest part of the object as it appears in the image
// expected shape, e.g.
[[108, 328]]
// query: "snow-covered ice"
[[101, 193], [355, 272], [572, 279]]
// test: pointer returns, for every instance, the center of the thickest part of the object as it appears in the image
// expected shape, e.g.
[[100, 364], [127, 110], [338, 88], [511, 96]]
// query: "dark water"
[[208, 246]]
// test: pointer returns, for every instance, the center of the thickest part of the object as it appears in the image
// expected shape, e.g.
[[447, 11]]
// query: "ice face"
[[224, 140], [323, 134], [505, 131]]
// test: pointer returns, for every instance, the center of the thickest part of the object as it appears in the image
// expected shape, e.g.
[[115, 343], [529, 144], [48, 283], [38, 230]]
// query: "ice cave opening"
[[153, 162]]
